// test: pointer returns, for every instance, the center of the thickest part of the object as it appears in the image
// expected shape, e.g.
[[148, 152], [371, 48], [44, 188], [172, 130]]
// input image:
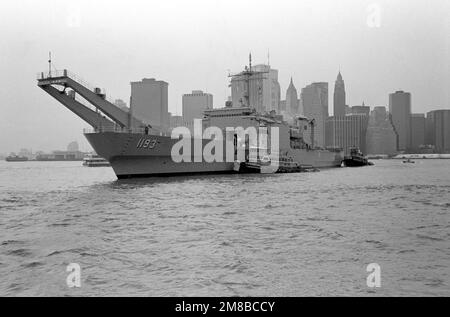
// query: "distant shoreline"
[[410, 156]]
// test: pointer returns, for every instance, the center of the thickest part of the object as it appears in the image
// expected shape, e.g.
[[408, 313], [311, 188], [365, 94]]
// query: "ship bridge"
[[106, 116]]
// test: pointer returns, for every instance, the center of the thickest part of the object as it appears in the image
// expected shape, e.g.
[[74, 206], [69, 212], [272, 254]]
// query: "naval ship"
[[135, 149]]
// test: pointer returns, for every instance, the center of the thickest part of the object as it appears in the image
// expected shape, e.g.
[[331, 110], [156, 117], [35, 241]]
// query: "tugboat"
[[356, 159], [257, 167], [16, 158], [256, 164]]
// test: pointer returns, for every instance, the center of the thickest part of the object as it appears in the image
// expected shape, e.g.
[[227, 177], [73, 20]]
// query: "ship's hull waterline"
[[138, 155]]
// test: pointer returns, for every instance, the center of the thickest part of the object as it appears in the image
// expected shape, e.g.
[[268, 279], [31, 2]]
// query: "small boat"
[[93, 160], [409, 161], [356, 158], [16, 158]]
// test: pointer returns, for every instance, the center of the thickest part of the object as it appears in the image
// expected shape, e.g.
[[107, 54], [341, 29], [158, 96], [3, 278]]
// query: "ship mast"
[[49, 64], [245, 76]]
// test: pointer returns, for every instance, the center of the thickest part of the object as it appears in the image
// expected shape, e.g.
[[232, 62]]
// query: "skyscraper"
[[400, 110], [314, 99], [193, 106], [363, 109], [195, 103], [149, 102], [439, 130], [121, 104], [276, 91], [417, 130], [292, 102], [429, 129], [347, 132], [175, 121], [380, 114], [271, 87], [282, 106], [381, 137], [339, 96]]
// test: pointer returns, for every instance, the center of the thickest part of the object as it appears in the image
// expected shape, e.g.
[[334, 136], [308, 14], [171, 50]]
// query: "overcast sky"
[[193, 44]]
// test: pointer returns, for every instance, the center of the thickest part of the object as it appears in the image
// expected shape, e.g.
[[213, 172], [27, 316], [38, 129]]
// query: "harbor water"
[[225, 235]]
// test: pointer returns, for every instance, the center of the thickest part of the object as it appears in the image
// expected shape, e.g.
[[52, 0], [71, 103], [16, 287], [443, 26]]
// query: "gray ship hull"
[[137, 155], [129, 157]]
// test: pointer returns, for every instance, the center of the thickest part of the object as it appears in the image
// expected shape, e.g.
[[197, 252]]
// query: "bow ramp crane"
[[117, 118]]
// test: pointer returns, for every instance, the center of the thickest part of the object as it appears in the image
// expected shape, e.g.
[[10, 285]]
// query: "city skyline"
[[330, 108], [375, 60]]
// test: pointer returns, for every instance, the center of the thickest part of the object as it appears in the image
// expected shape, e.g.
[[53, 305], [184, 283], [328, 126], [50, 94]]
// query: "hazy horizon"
[[194, 44]]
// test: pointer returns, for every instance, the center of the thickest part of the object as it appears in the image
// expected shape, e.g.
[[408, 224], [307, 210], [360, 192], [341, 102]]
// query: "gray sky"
[[192, 45]]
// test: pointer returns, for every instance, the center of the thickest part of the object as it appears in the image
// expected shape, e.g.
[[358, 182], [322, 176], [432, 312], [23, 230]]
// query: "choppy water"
[[241, 235]]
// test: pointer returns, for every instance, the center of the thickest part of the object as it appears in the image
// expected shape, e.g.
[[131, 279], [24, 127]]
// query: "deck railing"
[[118, 129], [65, 73]]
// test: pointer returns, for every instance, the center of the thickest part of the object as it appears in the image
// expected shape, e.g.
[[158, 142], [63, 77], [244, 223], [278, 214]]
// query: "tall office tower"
[[314, 99], [380, 114], [282, 106], [292, 102], [348, 109], [339, 96], [194, 104], [149, 102], [381, 137], [439, 130], [175, 121], [360, 110], [258, 89], [276, 94], [400, 110], [346, 132], [429, 130], [271, 87], [417, 131]]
